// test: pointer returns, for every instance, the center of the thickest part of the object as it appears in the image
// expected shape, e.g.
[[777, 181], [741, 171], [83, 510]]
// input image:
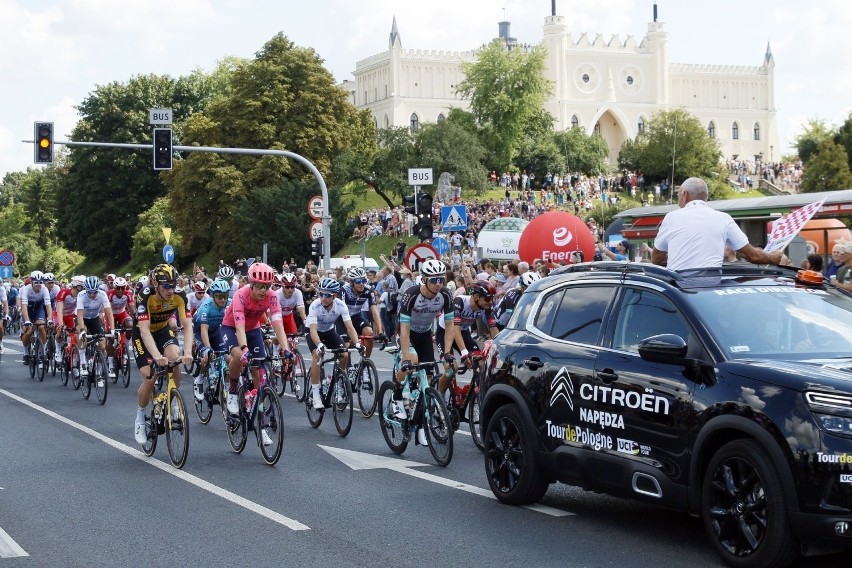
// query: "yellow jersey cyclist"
[[154, 340]]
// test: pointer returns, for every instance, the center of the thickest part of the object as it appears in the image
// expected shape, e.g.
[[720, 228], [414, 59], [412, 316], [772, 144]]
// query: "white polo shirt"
[[695, 236]]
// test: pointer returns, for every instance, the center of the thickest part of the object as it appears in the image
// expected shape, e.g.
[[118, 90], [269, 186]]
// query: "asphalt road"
[[76, 491]]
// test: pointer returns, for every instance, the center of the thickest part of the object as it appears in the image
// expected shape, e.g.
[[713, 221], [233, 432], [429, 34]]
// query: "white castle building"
[[610, 86]]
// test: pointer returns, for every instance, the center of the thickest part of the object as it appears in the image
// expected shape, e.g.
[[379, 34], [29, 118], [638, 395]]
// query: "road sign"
[[7, 257], [315, 207], [418, 254], [160, 116], [420, 176], [169, 254], [6, 272], [167, 232], [454, 218], [441, 245], [315, 231]]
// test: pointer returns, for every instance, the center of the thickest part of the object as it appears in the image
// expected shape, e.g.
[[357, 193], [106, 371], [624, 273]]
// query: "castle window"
[[575, 122], [414, 122], [598, 128], [735, 131], [441, 117], [640, 126], [756, 131], [711, 129]]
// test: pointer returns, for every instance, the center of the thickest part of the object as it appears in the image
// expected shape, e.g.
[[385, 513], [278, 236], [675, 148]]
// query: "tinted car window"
[[642, 314], [547, 311], [580, 313], [522, 311]]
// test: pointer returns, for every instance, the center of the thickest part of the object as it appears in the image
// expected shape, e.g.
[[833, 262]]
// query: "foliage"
[[507, 91], [827, 169], [540, 154], [283, 99], [38, 196], [583, 153], [448, 147], [671, 133], [809, 140], [267, 217], [843, 137], [148, 240]]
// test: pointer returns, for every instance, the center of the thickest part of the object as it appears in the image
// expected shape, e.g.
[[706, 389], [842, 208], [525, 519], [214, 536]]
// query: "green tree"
[[807, 143], [148, 240], [583, 153], [541, 154], [282, 99], [827, 169], [507, 90], [843, 137], [673, 135], [449, 147], [38, 196]]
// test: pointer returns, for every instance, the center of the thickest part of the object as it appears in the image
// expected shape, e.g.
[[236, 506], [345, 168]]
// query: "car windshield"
[[787, 322]]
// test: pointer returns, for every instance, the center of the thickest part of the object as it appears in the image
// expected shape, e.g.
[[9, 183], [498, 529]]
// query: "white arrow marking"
[[8, 547], [360, 460]]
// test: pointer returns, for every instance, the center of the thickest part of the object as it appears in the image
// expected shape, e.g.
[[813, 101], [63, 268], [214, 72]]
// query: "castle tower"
[[395, 48], [656, 42], [556, 40]]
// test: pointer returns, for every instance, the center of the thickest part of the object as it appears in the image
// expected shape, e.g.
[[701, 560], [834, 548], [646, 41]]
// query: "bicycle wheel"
[[368, 387], [236, 424], [204, 407], [150, 429], [341, 403], [74, 368], [297, 377], [33, 358], [275, 377], [270, 418], [87, 380], [41, 362], [64, 367], [392, 428], [125, 365], [51, 355], [439, 430], [177, 429], [473, 416], [99, 377]]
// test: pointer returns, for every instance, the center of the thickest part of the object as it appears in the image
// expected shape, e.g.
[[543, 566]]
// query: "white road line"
[[188, 477], [8, 547]]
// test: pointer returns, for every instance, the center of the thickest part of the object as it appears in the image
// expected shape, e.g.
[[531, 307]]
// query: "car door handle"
[[607, 375], [533, 363]]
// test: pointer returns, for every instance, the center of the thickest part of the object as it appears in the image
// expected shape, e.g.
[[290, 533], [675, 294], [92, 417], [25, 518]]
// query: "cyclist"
[[35, 308], [90, 307], [226, 273], [153, 340], [206, 323], [241, 333], [53, 289], [357, 295], [119, 297], [506, 307], [291, 300], [199, 289], [66, 312], [419, 306], [323, 314]]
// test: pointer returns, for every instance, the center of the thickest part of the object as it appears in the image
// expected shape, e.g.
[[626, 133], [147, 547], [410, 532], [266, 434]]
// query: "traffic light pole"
[[326, 218]]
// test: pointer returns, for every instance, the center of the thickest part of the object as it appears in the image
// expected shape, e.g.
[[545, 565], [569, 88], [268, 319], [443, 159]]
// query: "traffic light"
[[43, 142], [162, 148], [316, 247], [423, 227], [410, 202], [424, 203]]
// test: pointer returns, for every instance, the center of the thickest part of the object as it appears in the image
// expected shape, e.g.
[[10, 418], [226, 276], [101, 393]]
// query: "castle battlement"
[[436, 54], [373, 59], [614, 43], [684, 68]]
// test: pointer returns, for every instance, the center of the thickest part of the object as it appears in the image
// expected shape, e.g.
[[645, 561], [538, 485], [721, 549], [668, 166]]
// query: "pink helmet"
[[260, 273]]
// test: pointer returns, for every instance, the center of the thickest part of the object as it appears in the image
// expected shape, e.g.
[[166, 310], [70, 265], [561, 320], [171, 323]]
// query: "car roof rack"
[[684, 277]]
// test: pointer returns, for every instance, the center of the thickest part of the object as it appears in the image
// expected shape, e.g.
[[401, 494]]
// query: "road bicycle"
[[284, 371], [95, 369], [259, 411], [35, 353], [122, 357], [364, 380], [50, 353], [63, 366], [166, 414], [426, 409], [335, 393], [463, 401], [215, 383]]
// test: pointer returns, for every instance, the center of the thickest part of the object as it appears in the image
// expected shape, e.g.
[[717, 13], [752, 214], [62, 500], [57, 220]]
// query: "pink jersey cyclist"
[[249, 312]]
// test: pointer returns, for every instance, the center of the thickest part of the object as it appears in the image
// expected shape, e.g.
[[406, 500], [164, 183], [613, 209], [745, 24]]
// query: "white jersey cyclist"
[[91, 306], [323, 317], [288, 305]]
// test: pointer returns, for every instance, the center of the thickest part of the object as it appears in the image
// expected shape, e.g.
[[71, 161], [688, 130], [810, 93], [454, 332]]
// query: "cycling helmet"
[[78, 280], [36, 277], [260, 273], [356, 272], [49, 277], [220, 287], [144, 281], [288, 279], [92, 284], [528, 278], [484, 288], [433, 267], [329, 285], [199, 286], [120, 282], [163, 273], [110, 278], [225, 273]]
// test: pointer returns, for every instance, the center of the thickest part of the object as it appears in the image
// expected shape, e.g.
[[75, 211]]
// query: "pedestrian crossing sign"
[[454, 218]]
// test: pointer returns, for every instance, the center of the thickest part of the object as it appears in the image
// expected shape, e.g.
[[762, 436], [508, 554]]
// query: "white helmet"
[[78, 280], [356, 272], [433, 267], [529, 277]]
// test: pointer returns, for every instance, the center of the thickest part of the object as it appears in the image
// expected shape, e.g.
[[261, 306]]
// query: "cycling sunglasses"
[[359, 281], [223, 296], [326, 295], [168, 286], [436, 280], [290, 287], [262, 286]]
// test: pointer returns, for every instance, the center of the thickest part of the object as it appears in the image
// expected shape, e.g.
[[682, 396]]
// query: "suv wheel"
[[743, 508], [510, 459]]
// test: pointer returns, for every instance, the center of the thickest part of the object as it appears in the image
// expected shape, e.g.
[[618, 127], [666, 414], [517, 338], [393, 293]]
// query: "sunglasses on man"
[[326, 295], [436, 280], [167, 286]]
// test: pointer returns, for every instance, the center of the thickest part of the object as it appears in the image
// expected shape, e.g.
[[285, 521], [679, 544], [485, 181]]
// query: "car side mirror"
[[663, 348]]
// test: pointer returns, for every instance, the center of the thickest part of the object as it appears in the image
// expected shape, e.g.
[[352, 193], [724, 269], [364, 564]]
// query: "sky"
[[56, 52]]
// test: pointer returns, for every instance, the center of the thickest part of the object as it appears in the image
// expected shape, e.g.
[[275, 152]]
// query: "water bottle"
[[250, 396]]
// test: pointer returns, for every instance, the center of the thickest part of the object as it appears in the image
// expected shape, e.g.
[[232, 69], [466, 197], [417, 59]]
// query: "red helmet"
[[110, 278], [288, 279], [278, 280], [260, 273], [484, 288], [199, 286]]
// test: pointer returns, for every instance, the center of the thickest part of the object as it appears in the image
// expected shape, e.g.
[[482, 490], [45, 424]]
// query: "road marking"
[[360, 460], [188, 477], [8, 547]]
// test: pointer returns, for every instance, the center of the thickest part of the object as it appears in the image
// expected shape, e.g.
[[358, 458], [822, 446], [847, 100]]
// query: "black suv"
[[726, 393]]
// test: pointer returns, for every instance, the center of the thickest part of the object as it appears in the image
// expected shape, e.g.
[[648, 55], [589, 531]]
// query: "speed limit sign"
[[315, 231]]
